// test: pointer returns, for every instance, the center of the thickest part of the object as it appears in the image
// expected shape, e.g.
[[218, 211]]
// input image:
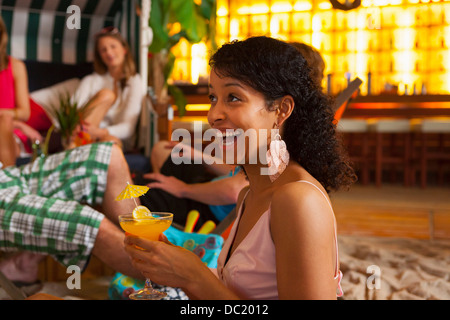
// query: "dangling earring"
[[277, 157]]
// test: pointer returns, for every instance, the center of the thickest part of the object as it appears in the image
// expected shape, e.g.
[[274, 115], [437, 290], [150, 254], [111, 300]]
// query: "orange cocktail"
[[149, 228], [147, 225]]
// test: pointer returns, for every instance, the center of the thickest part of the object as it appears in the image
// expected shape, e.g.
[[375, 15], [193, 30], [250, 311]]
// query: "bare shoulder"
[[298, 193], [304, 205], [18, 66]]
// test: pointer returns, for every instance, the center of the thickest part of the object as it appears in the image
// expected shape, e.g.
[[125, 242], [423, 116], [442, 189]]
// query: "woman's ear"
[[285, 109]]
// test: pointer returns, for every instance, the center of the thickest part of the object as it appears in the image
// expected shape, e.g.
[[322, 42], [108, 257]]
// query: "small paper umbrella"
[[132, 191]]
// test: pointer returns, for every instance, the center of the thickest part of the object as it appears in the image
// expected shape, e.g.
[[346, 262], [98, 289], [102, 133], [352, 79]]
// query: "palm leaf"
[[69, 115]]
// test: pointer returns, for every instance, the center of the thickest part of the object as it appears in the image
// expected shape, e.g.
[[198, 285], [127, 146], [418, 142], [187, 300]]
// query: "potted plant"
[[70, 117]]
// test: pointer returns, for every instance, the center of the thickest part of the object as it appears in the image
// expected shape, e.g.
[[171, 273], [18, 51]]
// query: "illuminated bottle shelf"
[[401, 43]]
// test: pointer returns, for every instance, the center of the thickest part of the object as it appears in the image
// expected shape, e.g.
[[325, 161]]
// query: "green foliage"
[[69, 115], [197, 23], [179, 98]]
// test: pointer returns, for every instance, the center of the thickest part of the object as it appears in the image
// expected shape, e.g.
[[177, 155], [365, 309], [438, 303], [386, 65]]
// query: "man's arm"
[[219, 192]]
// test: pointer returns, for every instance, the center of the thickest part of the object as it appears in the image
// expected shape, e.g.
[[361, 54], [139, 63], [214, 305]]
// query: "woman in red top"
[[20, 117]]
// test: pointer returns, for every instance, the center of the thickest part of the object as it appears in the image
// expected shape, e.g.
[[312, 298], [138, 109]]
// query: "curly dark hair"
[[276, 69]]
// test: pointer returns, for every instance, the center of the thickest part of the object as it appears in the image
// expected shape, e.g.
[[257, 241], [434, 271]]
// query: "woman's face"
[[235, 105], [111, 51]]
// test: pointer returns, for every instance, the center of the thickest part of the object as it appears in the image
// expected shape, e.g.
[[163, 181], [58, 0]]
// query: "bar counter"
[[371, 106], [407, 107]]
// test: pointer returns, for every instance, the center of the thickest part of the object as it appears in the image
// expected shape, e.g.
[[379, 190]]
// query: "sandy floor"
[[408, 269]]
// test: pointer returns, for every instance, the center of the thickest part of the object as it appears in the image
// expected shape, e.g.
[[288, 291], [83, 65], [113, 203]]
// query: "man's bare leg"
[[118, 176], [108, 247]]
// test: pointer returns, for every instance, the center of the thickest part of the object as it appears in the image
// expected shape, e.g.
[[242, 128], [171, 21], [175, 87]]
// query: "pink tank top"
[[251, 270], [7, 94]]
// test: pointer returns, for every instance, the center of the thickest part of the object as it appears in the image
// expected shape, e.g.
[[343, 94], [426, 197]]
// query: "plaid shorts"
[[43, 204]]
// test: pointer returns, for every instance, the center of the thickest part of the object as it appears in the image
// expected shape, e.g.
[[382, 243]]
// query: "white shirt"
[[121, 119]]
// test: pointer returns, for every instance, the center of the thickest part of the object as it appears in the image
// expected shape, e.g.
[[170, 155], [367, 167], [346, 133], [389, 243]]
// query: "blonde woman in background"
[[114, 91]]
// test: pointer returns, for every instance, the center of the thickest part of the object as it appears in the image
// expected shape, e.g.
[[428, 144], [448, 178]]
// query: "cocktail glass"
[[149, 228]]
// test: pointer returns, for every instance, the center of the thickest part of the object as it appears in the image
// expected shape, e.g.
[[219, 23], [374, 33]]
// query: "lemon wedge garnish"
[[141, 212]]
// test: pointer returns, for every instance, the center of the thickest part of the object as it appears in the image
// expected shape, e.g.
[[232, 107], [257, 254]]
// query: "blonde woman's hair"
[[129, 66], [3, 45]]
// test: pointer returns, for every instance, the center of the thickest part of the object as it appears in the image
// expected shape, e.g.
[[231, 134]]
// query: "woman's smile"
[[228, 137]]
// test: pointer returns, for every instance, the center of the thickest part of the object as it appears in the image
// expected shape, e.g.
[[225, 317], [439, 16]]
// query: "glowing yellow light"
[[311, 24], [316, 23], [325, 5], [243, 10], [260, 8], [361, 23], [447, 63], [274, 26], [222, 8], [198, 107], [316, 34], [222, 12], [198, 61], [406, 19], [380, 3], [303, 6], [184, 47], [175, 28], [234, 28], [282, 6], [361, 39], [254, 9]]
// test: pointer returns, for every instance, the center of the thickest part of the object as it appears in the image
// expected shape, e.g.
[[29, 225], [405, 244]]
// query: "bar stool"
[[391, 153], [357, 129], [434, 142]]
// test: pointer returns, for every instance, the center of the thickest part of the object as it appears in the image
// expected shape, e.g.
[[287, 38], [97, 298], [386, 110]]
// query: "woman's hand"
[[164, 263], [30, 132], [169, 184], [96, 133]]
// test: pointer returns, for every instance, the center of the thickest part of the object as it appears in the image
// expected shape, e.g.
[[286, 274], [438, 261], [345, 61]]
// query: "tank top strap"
[[337, 273]]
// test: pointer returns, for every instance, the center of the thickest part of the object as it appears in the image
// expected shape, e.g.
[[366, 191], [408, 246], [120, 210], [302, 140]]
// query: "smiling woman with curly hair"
[[283, 244], [309, 132]]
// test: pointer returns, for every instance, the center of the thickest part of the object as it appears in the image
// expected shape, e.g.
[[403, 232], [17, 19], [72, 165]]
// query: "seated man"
[[42, 211]]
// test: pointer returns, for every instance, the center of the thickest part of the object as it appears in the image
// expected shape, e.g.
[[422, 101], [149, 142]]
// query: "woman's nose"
[[216, 114]]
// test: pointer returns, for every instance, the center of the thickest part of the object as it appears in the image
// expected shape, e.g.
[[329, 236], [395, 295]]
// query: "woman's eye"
[[212, 98], [232, 98]]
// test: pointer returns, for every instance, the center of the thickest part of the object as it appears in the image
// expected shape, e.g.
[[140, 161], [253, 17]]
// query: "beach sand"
[[408, 269]]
